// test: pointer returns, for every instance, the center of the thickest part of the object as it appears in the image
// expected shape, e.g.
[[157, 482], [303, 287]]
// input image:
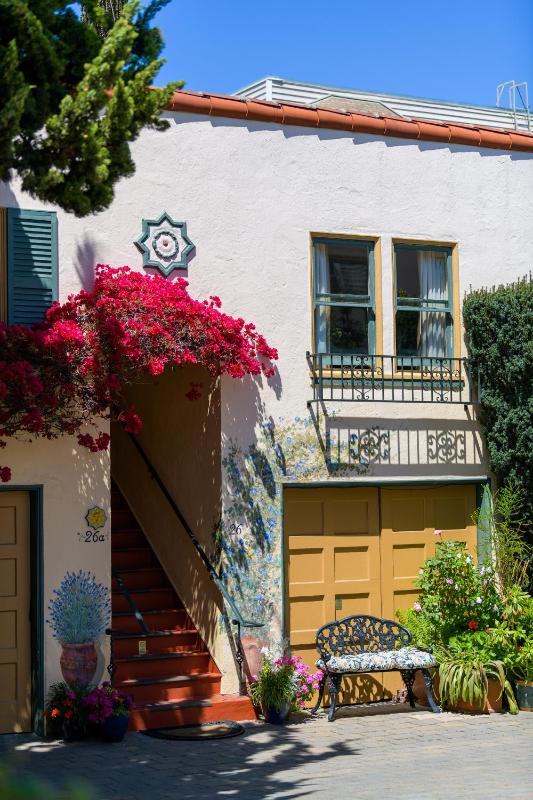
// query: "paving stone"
[[365, 753]]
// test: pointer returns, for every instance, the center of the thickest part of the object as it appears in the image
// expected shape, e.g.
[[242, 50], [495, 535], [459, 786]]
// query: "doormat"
[[221, 729]]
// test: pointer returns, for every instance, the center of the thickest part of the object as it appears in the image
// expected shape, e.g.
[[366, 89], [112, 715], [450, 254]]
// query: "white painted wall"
[[251, 193], [72, 480]]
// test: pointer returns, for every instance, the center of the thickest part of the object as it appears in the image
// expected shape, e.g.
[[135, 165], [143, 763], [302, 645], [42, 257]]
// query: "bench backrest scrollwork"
[[360, 633]]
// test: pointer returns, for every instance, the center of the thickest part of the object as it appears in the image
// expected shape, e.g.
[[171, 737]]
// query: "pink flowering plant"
[[286, 680], [105, 701], [61, 375]]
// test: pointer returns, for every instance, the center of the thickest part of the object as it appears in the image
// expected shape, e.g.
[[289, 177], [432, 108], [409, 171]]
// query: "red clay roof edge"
[[291, 114]]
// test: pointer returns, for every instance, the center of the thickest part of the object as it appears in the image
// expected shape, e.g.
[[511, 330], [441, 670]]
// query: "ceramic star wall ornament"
[[164, 244]]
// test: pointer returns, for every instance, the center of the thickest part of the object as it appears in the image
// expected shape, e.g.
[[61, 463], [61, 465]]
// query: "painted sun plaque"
[[164, 244]]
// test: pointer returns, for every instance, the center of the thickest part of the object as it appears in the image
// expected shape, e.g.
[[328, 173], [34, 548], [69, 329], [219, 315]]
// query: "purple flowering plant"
[[104, 701]]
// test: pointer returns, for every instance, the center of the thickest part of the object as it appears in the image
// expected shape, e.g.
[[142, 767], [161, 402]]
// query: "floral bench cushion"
[[381, 660]]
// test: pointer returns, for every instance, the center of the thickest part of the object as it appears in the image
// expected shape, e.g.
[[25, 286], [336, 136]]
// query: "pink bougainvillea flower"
[[437, 532], [61, 375]]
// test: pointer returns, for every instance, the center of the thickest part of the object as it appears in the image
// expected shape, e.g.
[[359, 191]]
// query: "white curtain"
[[322, 285], [432, 273]]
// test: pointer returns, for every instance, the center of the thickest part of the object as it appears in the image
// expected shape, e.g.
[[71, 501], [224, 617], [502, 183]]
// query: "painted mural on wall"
[[79, 613], [249, 537]]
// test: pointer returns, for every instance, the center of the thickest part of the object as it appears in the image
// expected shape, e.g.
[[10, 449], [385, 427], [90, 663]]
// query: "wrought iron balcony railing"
[[392, 379]]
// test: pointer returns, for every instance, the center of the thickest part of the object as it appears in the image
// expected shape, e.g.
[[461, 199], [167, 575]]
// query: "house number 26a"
[[93, 536]]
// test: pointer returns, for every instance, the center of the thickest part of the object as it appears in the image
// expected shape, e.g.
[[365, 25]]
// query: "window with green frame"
[[424, 305], [344, 312]]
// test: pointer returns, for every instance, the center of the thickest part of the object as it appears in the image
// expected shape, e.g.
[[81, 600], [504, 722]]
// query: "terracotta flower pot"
[[78, 663], [493, 705]]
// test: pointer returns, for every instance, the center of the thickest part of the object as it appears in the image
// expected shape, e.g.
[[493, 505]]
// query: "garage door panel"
[[304, 517], [306, 565], [347, 517], [348, 604], [349, 562], [407, 558], [404, 516]]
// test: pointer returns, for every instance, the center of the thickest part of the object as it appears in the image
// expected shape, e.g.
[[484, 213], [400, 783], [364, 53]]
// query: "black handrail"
[[237, 619], [135, 611]]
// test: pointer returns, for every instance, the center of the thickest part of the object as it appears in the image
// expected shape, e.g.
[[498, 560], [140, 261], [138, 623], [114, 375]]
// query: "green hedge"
[[499, 331]]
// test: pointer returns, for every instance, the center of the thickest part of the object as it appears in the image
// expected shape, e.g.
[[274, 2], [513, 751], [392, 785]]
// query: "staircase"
[[168, 671]]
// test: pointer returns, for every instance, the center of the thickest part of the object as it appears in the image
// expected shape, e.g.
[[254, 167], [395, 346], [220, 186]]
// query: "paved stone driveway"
[[367, 753]]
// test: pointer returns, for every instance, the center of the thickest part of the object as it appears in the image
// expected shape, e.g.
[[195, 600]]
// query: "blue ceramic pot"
[[114, 728], [524, 695], [276, 717], [73, 730]]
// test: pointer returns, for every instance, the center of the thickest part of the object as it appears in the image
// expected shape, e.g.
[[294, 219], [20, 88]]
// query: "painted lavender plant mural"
[[79, 613]]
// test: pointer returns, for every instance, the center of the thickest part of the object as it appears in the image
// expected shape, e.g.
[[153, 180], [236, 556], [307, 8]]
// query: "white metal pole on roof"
[[513, 89]]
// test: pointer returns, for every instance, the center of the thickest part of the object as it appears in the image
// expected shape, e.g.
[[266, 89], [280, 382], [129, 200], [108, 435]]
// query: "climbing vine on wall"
[[499, 328]]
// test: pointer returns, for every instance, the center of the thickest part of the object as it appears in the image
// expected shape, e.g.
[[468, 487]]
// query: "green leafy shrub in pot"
[[284, 684], [467, 668]]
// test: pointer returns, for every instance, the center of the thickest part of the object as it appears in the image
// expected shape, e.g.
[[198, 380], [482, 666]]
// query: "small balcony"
[[391, 379]]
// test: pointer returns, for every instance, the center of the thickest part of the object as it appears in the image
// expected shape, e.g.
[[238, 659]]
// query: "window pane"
[[348, 330], [421, 274], [348, 270], [421, 334]]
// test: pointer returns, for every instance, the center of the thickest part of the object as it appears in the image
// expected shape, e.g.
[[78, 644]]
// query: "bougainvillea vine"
[[60, 376]]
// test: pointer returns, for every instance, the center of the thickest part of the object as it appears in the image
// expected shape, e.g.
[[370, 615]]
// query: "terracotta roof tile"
[[316, 117]]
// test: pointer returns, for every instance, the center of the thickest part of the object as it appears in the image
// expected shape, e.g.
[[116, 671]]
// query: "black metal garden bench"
[[362, 644]]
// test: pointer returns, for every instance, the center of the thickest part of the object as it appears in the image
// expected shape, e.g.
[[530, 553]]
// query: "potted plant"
[[66, 712], [283, 685], [79, 614], [109, 709], [469, 681], [524, 676]]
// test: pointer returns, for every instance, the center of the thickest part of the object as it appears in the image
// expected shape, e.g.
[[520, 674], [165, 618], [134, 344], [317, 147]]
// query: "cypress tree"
[[75, 94]]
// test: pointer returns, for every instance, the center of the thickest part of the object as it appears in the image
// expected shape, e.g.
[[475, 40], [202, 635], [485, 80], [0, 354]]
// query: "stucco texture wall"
[[72, 481], [252, 194]]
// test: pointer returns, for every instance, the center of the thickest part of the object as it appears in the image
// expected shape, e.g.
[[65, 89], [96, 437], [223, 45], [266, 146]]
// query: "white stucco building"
[[348, 228]]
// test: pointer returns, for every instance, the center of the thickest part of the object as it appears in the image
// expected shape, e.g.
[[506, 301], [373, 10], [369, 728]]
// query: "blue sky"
[[445, 49]]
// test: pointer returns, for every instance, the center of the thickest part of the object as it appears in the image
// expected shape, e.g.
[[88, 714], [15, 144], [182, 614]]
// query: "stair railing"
[[136, 613], [235, 616]]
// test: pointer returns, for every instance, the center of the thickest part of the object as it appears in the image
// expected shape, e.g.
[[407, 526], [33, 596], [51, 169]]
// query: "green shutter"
[[31, 264]]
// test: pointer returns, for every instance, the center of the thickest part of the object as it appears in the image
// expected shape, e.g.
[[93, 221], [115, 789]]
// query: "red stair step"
[[191, 712], [132, 557], [166, 619], [171, 687], [144, 599], [122, 518], [129, 537], [142, 578], [157, 642], [162, 664]]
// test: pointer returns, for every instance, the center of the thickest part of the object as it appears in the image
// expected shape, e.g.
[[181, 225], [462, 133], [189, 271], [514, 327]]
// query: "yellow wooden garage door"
[[333, 565], [15, 658], [358, 550], [409, 518]]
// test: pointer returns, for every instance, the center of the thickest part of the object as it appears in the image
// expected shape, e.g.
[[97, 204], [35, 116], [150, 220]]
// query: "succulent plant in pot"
[[79, 614]]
